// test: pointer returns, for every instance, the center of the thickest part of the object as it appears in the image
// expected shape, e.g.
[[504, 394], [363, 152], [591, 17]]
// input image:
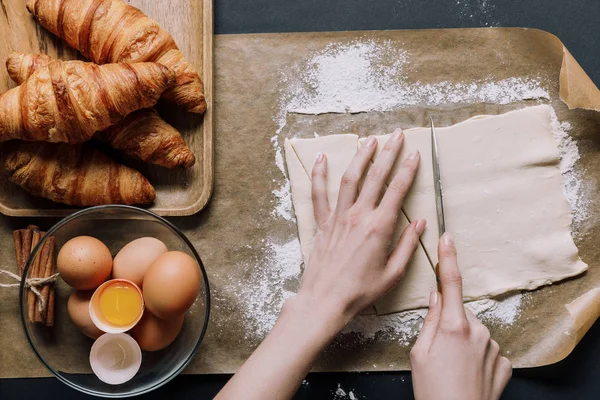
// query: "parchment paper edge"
[[576, 88]]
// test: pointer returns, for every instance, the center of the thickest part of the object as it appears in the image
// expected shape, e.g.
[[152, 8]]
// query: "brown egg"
[[84, 262], [78, 308], [134, 259], [171, 284], [153, 334]]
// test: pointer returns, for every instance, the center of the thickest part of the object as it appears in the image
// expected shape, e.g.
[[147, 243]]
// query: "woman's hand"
[[454, 356], [350, 266]]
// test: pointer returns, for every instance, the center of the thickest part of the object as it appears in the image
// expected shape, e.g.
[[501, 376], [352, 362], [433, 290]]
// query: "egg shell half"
[[115, 358]]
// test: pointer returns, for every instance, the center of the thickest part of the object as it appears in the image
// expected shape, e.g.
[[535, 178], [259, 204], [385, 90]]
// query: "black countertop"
[[575, 22]]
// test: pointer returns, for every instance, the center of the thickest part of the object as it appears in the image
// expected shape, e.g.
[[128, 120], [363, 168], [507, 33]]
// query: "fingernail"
[[433, 299], [397, 135], [319, 157], [447, 239], [370, 141], [413, 155], [420, 227]]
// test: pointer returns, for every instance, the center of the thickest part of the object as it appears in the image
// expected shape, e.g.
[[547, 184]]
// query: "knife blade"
[[437, 182], [439, 196]]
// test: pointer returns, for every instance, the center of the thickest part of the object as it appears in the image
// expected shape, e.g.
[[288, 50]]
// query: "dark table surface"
[[575, 22]]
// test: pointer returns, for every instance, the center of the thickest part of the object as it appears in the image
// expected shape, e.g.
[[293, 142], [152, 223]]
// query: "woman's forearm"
[[276, 369]]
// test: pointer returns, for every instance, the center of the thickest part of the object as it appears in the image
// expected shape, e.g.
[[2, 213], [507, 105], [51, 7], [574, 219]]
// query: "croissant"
[[143, 134], [77, 175], [110, 31], [69, 101]]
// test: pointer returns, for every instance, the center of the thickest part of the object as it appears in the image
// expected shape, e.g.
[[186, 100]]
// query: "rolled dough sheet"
[[504, 203], [301, 155]]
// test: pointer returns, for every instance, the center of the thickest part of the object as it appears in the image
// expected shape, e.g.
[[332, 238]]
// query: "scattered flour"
[[575, 187], [340, 393], [264, 293], [504, 312], [479, 11], [399, 327], [357, 77], [283, 206], [283, 194]]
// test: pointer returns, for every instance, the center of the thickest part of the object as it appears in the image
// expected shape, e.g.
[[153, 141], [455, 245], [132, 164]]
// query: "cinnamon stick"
[[48, 271], [22, 239], [34, 272], [43, 266], [50, 311], [18, 241]]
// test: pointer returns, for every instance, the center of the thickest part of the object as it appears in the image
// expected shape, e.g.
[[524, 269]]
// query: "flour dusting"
[[479, 11], [504, 312], [340, 393], [265, 292], [283, 194], [399, 327], [359, 77], [575, 186]]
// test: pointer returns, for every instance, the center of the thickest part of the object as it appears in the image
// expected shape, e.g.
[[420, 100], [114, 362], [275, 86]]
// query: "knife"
[[439, 197]]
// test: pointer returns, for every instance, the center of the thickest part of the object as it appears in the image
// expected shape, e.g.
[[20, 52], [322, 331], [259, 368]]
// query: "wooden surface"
[[178, 192]]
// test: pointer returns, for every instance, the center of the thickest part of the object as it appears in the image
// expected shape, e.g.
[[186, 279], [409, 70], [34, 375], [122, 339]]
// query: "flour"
[[283, 206], [504, 312], [480, 11], [340, 393], [576, 189], [283, 194], [403, 327], [358, 77], [263, 295], [399, 327]]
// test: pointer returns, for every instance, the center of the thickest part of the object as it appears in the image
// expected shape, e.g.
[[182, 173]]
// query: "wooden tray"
[[178, 192]]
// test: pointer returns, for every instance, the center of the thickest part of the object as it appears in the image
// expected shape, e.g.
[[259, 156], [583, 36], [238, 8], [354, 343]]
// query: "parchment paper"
[[230, 233]]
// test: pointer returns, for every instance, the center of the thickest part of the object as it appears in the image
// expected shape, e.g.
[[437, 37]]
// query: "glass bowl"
[[64, 350]]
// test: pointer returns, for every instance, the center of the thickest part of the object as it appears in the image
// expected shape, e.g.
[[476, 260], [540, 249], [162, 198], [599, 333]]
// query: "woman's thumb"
[[432, 319]]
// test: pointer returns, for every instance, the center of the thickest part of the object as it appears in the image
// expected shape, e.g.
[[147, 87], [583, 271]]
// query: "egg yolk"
[[120, 303]]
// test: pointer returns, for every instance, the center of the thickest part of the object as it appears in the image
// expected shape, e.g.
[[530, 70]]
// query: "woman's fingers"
[[502, 375], [400, 185], [380, 170], [319, 190], [450, 281], [352, 176], [431, 322], [404, 250]]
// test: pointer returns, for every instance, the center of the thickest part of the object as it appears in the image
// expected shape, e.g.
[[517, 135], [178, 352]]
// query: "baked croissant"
[[143, 134], [71, 100], [77, 175], [110, 31]]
